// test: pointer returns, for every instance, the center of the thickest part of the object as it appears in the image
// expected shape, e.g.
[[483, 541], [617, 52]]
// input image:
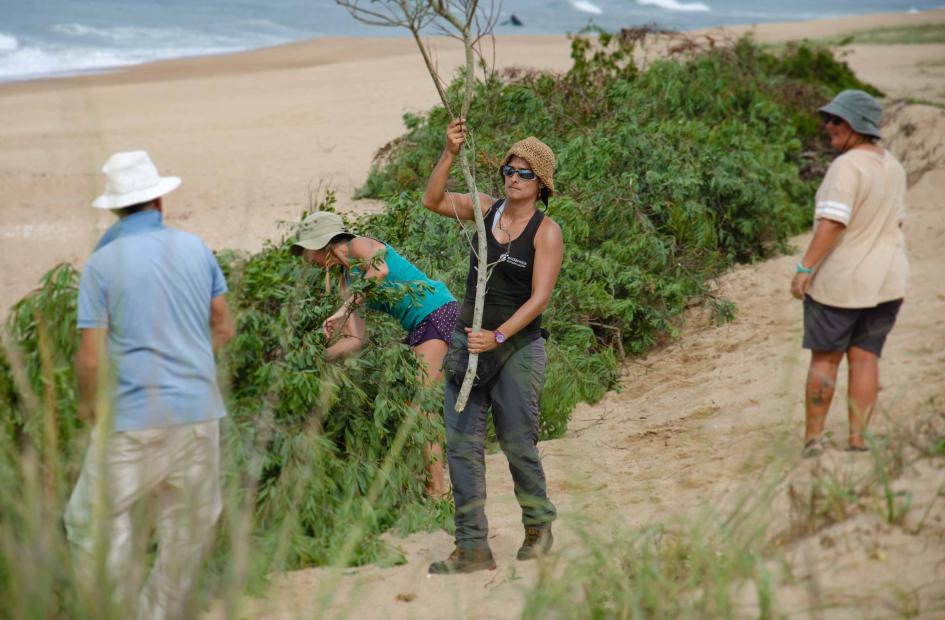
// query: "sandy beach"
[[254, 134]]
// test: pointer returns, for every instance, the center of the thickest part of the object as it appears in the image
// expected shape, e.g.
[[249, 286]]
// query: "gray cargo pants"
[[513, 395]]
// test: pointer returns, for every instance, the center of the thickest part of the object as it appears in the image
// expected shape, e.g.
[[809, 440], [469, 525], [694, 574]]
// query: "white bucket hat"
[[131, 178]]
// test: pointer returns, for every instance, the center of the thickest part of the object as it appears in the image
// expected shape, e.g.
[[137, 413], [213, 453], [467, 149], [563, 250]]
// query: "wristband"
[[802, 269]]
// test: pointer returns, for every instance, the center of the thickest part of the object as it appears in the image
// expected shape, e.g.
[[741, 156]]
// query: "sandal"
[[813, 448], [857, 443]]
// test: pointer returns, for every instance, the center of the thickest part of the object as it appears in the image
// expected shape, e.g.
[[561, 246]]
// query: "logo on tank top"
[[505, 258]]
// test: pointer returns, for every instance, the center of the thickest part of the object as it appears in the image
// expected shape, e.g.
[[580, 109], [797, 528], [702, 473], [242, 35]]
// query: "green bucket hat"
[[317, 230], [859, 109]]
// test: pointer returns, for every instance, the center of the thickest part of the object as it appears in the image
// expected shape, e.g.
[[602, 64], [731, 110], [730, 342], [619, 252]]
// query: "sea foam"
[[31, 62], [125, 34], [587, 7], [28, 62], [8, 43], [81, 48], [675, 5]]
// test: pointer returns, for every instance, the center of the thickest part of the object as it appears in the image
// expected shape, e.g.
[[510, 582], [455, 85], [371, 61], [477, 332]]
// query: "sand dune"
[[685, 437], [251, 134]]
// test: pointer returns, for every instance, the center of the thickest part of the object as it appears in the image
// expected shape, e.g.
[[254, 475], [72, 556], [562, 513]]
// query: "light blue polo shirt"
[[409, 311], [151, 287]]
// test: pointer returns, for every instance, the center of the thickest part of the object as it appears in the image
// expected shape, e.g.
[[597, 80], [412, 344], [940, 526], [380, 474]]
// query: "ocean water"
[[44, 38]]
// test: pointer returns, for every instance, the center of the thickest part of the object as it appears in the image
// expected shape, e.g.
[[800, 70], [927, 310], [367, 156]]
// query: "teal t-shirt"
[[410, 310]]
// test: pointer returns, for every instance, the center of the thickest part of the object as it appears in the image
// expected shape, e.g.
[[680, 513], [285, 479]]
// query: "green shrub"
[[324, 430], [46, 346]]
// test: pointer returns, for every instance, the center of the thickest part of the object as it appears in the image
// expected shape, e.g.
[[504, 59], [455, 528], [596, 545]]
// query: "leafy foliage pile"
[[667, 175], [323, 431], [40, 444], [307, 438], [42, 327]]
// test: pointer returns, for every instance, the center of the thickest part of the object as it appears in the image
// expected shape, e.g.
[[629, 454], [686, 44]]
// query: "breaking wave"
[[675, 5]]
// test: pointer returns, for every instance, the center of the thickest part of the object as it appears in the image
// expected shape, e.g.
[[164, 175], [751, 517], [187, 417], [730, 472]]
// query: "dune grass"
[[729, 560]]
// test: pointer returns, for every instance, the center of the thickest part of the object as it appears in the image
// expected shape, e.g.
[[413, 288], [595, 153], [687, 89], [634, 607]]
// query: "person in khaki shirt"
[[853, 275]]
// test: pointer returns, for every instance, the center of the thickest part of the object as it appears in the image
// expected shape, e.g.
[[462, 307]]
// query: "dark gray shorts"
[[835, 330]]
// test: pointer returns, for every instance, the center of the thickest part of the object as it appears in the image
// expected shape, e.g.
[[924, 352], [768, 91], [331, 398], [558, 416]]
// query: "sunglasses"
[[831, 119], [523, 173]]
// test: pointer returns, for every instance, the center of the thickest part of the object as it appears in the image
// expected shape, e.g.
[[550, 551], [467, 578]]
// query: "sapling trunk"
[[482, 276], [413, 15], [482, 257]]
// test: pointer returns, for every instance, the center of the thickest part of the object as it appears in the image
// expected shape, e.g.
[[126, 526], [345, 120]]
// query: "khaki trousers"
[[177, 471]]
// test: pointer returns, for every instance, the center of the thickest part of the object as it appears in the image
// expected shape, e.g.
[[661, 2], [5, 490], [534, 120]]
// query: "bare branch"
[[469, 240], [441, 8], [428, 61]]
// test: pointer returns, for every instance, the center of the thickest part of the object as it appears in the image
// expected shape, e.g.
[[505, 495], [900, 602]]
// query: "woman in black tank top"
[[526, 248]]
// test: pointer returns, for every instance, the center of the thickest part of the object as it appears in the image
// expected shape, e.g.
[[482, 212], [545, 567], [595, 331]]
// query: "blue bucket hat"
[[859, 109]]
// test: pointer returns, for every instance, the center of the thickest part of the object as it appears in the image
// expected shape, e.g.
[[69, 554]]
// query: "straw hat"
[[859, 109], [538, 156], [317, 230], [131, 178]]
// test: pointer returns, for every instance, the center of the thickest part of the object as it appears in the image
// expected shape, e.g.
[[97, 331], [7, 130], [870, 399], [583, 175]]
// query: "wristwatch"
[[499, 337]]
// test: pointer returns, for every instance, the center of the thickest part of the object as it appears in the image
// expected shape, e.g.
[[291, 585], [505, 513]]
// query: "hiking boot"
[[464, 561], [538, 541]]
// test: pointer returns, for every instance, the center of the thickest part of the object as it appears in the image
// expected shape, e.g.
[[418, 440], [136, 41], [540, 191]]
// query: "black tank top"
[[510, 285]]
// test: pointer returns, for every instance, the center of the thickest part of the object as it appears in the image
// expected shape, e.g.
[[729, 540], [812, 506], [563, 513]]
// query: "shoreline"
[[326, 49]]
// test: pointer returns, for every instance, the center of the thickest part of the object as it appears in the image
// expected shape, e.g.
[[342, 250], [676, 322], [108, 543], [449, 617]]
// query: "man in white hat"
[[151, 313]]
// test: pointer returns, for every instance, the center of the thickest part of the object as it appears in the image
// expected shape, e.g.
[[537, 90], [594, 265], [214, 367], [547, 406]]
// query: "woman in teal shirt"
[[428, 317]]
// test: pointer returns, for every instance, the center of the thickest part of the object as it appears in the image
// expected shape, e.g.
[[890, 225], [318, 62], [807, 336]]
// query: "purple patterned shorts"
[[438, 325]]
